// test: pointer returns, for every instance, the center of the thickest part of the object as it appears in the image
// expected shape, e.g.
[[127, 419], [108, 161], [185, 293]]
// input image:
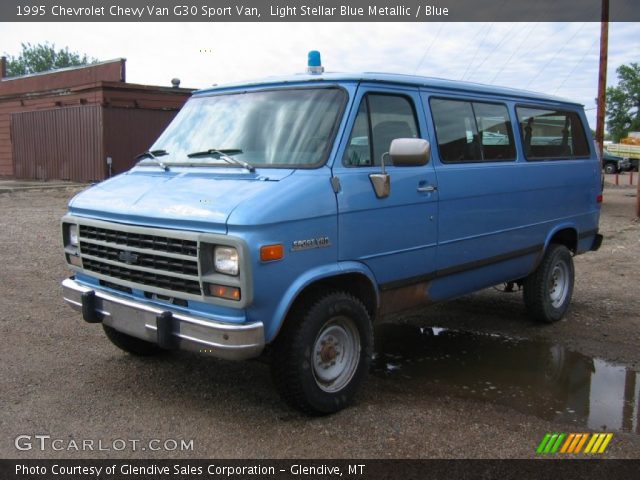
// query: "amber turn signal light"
[[269, 253], [222, 291]]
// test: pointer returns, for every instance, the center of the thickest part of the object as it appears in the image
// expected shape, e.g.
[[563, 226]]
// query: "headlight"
[[73, 235], [226, 260]]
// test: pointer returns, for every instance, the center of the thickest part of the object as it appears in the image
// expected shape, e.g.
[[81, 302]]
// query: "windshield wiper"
[[153, 154], [225, 155]]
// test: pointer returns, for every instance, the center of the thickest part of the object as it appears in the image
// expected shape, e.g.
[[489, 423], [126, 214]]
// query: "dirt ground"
[[61, 377]]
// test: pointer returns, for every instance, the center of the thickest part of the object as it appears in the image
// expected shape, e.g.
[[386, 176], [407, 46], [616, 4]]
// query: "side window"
[[472, 131], [392, 117], [358, 152], [381, 119], [456, 131], [551, 134], [496, 134]]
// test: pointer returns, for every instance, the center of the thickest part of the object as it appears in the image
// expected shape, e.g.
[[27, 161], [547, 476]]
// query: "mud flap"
[[597, 242]]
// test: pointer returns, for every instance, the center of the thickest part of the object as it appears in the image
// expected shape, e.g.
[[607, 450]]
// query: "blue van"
[[282, 218]]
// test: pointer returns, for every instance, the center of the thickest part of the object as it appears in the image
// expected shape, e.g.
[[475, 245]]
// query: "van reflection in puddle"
[[537, 378]]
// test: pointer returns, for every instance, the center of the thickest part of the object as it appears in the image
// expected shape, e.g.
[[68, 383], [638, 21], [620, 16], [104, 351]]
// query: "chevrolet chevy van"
[[283, 217]]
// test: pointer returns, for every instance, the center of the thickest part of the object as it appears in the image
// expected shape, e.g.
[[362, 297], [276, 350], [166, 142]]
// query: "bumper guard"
[[169, 329]]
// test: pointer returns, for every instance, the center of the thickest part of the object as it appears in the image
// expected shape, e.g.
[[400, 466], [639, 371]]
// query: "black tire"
[[131, 344], [548, 289], [323, 354], [610, 168]]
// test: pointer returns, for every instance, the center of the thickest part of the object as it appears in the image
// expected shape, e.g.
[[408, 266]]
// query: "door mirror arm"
[[381, 182]]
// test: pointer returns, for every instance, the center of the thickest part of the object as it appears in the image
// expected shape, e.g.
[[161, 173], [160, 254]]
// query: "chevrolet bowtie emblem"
[[128, 257]]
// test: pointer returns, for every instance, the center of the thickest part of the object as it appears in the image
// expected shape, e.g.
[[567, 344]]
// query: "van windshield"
[[292, 128]]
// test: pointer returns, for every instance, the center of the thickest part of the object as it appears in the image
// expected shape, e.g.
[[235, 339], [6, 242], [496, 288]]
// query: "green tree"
[[623, 102], [44, 57]]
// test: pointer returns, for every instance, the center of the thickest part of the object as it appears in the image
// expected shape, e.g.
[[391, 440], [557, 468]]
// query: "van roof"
[[395, 79]]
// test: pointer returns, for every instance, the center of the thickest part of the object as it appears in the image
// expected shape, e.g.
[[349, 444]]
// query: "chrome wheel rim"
[[559, 284], [336, 354]]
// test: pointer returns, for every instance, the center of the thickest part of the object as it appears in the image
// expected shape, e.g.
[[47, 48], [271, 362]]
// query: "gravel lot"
[[61, 377]]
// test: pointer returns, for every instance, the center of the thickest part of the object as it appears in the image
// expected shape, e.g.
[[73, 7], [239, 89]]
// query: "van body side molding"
[[463, 267]]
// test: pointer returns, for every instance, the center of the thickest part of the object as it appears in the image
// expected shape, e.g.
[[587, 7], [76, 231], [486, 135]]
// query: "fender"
[[556, 229], [309, 277], [547, 240]]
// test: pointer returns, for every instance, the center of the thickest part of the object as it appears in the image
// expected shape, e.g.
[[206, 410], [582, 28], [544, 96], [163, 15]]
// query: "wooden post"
[[638, 203], [602, 76]]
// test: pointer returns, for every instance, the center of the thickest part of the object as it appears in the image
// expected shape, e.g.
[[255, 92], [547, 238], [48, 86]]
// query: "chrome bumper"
[[167, 328]]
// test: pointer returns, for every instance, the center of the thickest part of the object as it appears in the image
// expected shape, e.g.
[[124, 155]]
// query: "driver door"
[[395, 236]]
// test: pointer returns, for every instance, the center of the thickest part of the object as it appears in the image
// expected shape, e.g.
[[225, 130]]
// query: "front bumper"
[[167, 328]]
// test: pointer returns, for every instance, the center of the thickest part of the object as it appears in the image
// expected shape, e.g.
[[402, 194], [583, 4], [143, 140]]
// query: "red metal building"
[[64, 124]]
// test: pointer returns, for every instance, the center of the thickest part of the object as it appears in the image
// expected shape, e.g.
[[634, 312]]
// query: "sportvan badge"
[[319, 242]]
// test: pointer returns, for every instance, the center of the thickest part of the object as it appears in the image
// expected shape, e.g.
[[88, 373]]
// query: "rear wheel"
[[323, 354], [131, 344], [548, 289], [610, 168]]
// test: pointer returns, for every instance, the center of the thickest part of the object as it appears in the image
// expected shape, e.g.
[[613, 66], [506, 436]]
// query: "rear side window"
[[381, 119], [551, 134], [472, 131]]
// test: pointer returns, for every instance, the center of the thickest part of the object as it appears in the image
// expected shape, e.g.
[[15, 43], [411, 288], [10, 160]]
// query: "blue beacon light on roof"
[[314, 63]]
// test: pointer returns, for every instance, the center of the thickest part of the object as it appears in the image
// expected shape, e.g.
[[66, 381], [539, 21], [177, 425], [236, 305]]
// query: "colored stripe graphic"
[[567, 443], [556, 446], [543, 443], [581, 442], [606, 441], [550, 443], [592, 442], [573, 443]]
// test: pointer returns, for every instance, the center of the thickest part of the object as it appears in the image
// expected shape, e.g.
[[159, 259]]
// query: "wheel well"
[[356, 284], [567, 237]]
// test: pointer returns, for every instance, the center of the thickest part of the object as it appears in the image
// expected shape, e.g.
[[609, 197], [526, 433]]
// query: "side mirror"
[[409, 152]]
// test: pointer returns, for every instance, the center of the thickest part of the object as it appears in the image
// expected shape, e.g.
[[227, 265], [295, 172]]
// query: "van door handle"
[[427, 188]]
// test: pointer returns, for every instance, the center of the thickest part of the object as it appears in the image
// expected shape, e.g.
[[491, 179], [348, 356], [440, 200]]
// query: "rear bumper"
[[597, 242], [167, 328]]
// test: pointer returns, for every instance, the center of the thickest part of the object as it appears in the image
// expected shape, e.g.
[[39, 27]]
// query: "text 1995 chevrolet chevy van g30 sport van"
[[287, 215]]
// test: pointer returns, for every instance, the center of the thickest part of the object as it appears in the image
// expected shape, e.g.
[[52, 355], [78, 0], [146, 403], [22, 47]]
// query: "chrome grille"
[[137, 240], [148, 260]]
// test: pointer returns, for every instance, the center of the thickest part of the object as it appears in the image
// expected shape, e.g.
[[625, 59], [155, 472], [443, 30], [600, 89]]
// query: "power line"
[[472, 39], [477, 50], [429, 48], [576, 65], [517, 49], [494, 49], [558, 52]]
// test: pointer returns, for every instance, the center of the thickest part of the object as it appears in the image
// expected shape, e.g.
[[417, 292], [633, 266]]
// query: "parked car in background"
[[614, 164]]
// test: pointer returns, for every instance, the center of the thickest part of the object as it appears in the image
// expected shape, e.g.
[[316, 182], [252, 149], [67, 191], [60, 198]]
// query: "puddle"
[[535, 378]]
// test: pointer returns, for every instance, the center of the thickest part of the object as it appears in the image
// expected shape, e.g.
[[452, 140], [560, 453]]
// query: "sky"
[[555, 58]]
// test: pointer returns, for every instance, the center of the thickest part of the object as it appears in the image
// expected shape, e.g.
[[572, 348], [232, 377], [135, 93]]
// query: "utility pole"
[[602, 76]]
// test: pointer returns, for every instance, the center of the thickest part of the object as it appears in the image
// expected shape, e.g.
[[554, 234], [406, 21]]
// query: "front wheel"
[[323, 354], [548, 289], [610, 168]]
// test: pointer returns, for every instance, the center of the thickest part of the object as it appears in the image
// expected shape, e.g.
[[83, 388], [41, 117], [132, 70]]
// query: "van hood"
[[201, 200]]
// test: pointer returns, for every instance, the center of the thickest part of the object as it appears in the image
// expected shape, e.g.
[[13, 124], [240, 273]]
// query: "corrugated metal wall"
[[72, 143], [62, 143], [130, 131]]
